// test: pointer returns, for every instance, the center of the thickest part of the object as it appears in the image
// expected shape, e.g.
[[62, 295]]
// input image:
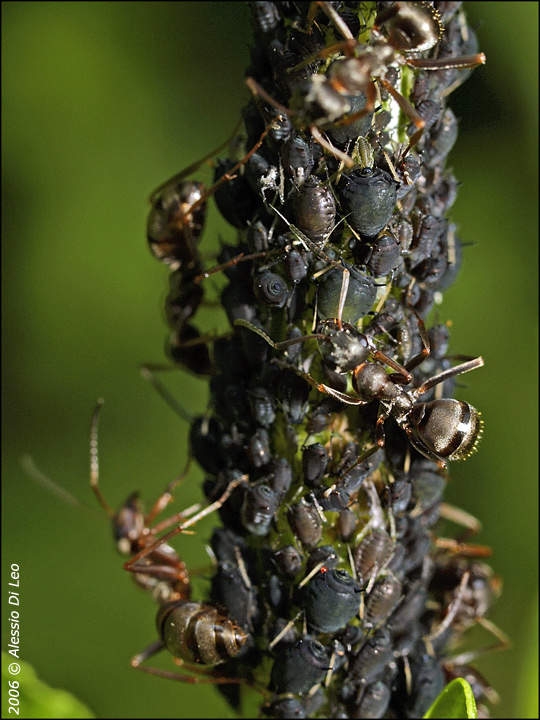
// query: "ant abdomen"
[[199, 633]]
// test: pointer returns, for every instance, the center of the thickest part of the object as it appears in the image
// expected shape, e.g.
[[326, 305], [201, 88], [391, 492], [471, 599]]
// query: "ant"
[[397, 33], [174, 228], [441, 430], [193, 632]]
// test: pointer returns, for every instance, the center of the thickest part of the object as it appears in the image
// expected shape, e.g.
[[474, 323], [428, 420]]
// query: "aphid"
[[314, 209], [262, 176], [299, 666], [287, 706], [258, 449], [332, 599], [305, 522], [232, 588], [281, 479], [324, 555], [373, 553], [258, 509], [374, 700], [372, 658], [382, 600], [350, 304], [271, 289], [368, 197], [262, 406], [265, 16], [297, 158], [384, 256], [428, 681], [314, 463], [288, 560]]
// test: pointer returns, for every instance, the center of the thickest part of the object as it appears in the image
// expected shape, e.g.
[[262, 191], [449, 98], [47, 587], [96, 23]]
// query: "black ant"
[[193, 632], [398, 32]]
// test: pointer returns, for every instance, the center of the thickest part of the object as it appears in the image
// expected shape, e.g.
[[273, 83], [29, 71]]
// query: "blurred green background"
[[101, 103]]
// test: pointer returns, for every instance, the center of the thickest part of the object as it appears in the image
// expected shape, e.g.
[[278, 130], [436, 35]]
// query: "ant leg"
[[284, 344], [371, 96], [426, 350], [148, 371], [157, 647], [258, 91], [452, 611], [456, 515], [194, 166], [167, 497], [181, 528], [241, 257], [503, 644], [447, 374], [382, 416], [308, 244], [411, 113], [456, 63], [343, 296], [342, 397], [423, 450], [327, 145], [462, 549], [230, 174], [33, 471]]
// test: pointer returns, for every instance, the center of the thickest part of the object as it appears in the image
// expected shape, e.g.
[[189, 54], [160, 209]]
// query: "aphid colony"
[[330, 422]]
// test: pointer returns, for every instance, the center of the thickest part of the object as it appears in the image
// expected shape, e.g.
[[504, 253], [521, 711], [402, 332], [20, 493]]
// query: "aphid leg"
[[343, 296], [342, 397], [284, 344]]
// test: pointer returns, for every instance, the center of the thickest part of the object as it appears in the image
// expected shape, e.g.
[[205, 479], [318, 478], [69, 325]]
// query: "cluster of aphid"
[[329, 426]]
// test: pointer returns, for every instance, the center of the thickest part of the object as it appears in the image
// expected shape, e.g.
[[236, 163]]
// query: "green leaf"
[[455, 701], [32, 697]]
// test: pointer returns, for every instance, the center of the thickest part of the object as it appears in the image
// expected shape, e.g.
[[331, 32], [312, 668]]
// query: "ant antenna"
[[94, 459]]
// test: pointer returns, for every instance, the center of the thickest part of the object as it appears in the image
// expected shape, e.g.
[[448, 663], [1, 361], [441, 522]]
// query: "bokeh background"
[[101, 103]]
